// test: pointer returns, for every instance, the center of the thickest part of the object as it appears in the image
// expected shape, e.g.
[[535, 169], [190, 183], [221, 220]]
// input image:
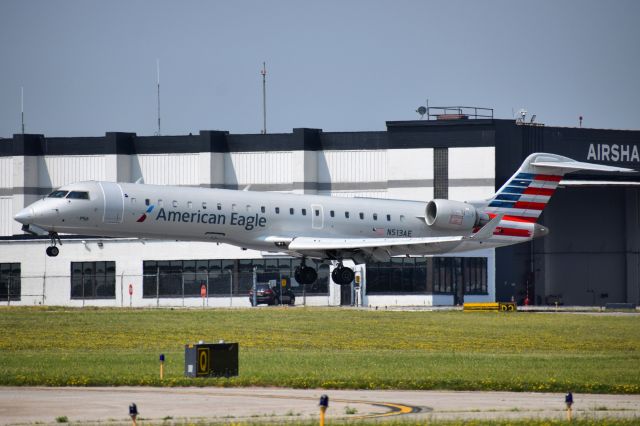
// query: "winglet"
[[486, 231]]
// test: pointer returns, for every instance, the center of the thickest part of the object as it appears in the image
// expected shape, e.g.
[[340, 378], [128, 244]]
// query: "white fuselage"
[[256, 220]]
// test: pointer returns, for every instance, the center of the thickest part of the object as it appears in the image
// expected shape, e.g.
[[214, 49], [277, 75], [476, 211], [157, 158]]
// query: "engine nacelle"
[[455, 215]]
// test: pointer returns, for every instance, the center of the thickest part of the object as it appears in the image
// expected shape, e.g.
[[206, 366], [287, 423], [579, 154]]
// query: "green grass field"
[[326, 348]]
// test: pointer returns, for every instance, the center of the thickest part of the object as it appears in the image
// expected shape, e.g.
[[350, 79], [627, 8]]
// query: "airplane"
[[314, 227]]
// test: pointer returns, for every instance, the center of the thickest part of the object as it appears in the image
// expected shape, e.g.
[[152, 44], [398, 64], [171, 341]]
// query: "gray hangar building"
[[590, 257]]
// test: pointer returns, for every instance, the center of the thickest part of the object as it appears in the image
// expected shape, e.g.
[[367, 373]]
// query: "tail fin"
[[523, 197]]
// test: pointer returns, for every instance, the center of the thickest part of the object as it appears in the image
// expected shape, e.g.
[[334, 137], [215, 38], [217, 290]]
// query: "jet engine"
[[452, 215]]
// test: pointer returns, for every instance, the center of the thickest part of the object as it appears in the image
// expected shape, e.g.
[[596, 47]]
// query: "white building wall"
[[398, 174], [243, 168], [352, 166], [168, 169], [55, 171], [6, 172], [6, 215], [6, 200], [410, 174], [467, 165]]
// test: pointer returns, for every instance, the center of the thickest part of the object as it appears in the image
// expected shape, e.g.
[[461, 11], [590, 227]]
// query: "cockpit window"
[[78, 195], [57, 194]]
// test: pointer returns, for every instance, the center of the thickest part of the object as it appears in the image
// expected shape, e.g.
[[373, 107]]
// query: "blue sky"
[[89, 67]]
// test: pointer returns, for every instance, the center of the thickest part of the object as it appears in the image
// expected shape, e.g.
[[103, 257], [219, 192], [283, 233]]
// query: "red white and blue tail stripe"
[[524, 196]]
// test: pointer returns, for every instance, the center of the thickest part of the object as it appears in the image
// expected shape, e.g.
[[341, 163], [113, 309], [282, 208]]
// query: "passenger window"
[[248, 208], [204, 205], [375, 216], [346, 215], [361, 215], [291, 210], [190, 205], [133, 200], [234, 207], [262, 209], [78, 195], [401, 218], [317, 212], [219, 206], [175, 203], [160, 203], [332, 213], [388, 218], [146, 202], [304, 212], [277, 210]]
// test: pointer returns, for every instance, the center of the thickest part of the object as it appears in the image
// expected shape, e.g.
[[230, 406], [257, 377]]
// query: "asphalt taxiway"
[[24, 405]]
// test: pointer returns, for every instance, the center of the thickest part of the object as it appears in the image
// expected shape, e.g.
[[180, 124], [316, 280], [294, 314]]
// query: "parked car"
[[272, 296]]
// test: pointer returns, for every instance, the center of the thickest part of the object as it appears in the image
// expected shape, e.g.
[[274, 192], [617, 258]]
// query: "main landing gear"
[[342, 275], [305, 274], [52, 250]]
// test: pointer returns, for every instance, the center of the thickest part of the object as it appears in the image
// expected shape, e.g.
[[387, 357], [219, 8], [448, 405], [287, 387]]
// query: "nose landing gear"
[[52, 250]]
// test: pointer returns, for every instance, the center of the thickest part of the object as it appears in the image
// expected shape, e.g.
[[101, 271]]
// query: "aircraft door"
[[317, 216], [113, 202]]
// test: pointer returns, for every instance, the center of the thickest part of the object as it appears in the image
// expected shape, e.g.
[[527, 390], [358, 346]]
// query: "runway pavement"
[[23, 405]]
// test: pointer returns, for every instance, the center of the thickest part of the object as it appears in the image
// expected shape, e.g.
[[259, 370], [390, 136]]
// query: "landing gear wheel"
[[342, 275], [52, 250], [305, 275]]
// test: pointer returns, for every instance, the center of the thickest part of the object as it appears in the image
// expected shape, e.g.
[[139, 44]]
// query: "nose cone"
[[540, 231], [24, 216]]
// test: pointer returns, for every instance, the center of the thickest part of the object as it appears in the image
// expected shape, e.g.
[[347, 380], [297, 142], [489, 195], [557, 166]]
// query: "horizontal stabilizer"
[[486, 231]]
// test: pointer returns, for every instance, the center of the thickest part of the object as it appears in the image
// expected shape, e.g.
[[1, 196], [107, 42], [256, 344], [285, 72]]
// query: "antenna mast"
[[22, 108], [264, 98], [158, 72]]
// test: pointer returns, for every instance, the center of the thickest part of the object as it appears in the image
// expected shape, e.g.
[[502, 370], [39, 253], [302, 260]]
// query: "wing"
[[362, 250], [380, 249], [309, 243]]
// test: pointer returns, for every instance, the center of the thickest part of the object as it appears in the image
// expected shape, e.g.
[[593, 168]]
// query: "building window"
[[449, 273], [400, 275], [224, 277], [10, 286], [441, 173], [431, 275], [93, 280]]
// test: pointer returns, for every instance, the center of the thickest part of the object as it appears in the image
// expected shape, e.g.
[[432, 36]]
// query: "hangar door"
[[113, 202]]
